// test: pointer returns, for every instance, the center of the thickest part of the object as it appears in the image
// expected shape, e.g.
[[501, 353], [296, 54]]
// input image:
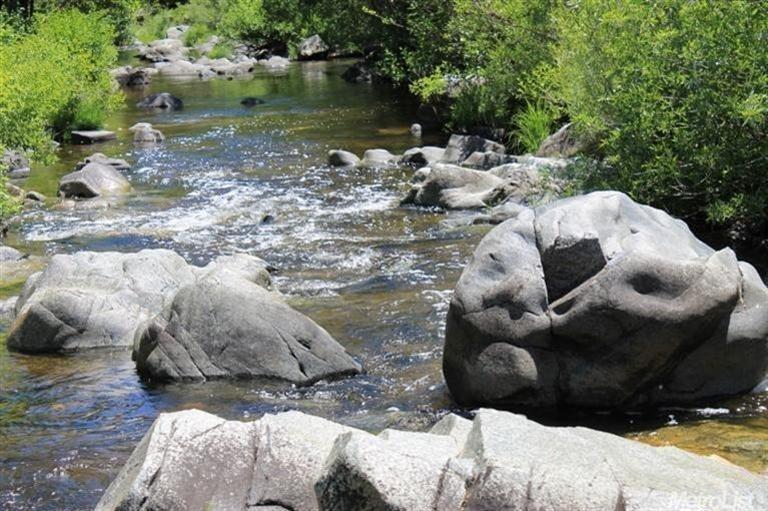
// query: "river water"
[[377, 276]]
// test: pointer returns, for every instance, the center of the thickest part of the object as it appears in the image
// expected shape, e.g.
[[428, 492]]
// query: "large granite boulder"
[[94, 180], [225, 326], [194, 461], [596, 301], [93, 300], [99, 299]]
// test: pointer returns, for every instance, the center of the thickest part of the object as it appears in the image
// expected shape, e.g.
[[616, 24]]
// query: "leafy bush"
[[9, 205], [196, 34], [221, 50], [534, 124], [49, 74], [678, 93]]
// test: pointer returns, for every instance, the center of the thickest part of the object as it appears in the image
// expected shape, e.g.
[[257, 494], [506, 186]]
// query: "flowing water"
[[378, 277]]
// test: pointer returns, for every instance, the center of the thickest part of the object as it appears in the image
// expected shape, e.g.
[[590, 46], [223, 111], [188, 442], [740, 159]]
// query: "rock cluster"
[[291, 461], [596, 301], [470, 173], [185, 323]]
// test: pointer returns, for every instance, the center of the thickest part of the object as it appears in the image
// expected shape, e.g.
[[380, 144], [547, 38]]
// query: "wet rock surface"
[[597, 301], [94, 180], [194, 461]]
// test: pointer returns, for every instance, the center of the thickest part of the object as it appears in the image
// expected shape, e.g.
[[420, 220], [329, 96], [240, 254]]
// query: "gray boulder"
[[452, 187], [93, 180], [100, 299], [176, 32], [94, 300], [563, 143], [460, 147], [163, 101], [339, 158], [128, 76], [102, 159], [312, 48], [145, 134], [597, 301], [163, 50], [415, 129], [378, 158], [195, 461], [225, 326], [487, 160], [10, 254], [15, 163], [427, 155]]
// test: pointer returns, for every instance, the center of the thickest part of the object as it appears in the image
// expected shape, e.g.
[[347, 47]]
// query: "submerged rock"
[[224, 326], [93, 180], [313, 47], [92, 136], [163, 100], [339, 158], [252, 101], [415, 129], [597, 301], [194, 461]]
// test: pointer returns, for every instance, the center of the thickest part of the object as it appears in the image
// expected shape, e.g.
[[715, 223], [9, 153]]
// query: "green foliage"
[[9, 205], [221, 50], [119, 13], [534, 124], [677, 92], [47, 76], [89, 114], [196, 34]]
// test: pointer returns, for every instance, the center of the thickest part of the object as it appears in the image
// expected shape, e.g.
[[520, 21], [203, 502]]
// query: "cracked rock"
[[99, 299], [597, 301], [195, 461]]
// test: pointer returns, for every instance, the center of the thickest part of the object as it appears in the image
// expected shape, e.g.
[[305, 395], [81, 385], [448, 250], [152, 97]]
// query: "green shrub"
[[9, 205], [221, 50], [47, 74], [196, 34], [677, 91], [533, 125], [89, 115]]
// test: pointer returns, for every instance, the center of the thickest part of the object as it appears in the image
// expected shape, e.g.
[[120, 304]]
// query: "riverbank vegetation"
[[54, 78]]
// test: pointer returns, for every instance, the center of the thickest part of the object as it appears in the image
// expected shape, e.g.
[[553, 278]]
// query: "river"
[[377, 276]]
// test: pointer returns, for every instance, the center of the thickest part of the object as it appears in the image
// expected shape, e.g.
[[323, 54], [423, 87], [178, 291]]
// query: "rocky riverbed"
[[376, 276]]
